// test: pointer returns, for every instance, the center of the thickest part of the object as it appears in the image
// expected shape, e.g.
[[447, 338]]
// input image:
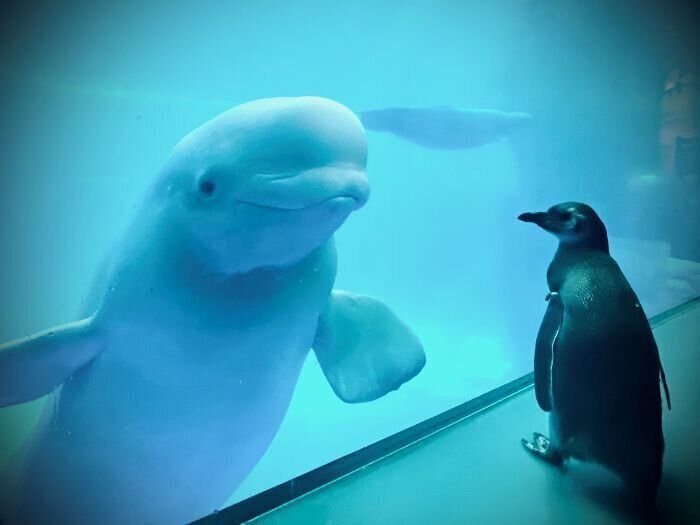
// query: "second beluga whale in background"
[[446, 128], [176, 380]]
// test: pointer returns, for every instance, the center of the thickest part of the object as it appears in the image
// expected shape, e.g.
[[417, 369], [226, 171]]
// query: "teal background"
[[94, 95]]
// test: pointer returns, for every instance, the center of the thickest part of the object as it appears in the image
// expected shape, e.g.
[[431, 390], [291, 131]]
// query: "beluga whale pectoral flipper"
[[364, 350], [445, 127], [33, 366], [177, 379]]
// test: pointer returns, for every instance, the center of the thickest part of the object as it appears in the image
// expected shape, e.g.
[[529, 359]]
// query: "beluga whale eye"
[[207, 187]]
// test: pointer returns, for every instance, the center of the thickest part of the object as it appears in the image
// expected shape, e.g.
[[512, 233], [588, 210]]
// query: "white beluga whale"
[[171, 388], [444, 127]]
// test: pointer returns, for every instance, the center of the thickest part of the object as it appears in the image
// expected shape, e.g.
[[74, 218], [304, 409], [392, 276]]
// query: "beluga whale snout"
[[179, 374]]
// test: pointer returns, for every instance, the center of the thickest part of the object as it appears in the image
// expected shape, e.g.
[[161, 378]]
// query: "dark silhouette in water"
[[445, 128]]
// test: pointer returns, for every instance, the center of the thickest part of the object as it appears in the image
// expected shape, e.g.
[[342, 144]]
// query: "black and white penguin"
[[597, 366]]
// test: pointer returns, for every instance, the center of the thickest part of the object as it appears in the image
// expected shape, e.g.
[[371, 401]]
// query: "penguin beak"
[[537, 218]]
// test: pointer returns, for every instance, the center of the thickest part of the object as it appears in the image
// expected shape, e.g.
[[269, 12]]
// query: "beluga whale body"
[[445, 127], [174, 383]]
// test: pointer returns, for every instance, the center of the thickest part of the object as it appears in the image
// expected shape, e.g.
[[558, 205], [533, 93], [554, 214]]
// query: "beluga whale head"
[[265, 183]]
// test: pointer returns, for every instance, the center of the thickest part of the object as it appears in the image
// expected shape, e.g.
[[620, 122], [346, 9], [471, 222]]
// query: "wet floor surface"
[[477, 472]]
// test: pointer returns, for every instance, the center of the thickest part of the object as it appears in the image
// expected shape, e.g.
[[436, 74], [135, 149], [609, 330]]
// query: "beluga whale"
[[445, 127], [172, 386]]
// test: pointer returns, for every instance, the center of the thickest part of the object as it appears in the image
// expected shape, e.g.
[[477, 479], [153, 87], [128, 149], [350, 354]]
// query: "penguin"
[[597, 365]]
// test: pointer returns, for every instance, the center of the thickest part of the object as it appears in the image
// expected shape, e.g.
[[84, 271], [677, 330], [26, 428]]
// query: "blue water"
[[95, 96]]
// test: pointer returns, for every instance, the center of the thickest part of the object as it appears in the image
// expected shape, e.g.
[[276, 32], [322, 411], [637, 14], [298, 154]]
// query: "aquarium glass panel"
[[473, 113]]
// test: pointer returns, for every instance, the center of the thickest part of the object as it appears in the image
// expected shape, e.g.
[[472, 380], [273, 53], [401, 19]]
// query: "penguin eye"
[[565, 215], [207, 187]]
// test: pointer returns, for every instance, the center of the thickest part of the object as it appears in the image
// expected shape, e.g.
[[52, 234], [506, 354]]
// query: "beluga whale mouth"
[[334, 185], [339, 201]]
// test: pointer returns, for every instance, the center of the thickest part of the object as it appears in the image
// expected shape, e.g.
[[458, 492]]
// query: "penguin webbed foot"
[[542, 447]]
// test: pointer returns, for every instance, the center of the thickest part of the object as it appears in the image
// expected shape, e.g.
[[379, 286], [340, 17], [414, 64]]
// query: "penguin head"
[[573, 223]]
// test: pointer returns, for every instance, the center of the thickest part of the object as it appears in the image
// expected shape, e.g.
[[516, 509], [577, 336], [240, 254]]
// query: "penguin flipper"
[[544, 350], [364, 349], [33, 366]]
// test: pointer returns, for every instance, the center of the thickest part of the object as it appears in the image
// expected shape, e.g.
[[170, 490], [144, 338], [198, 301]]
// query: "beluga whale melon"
[[173, 385]]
